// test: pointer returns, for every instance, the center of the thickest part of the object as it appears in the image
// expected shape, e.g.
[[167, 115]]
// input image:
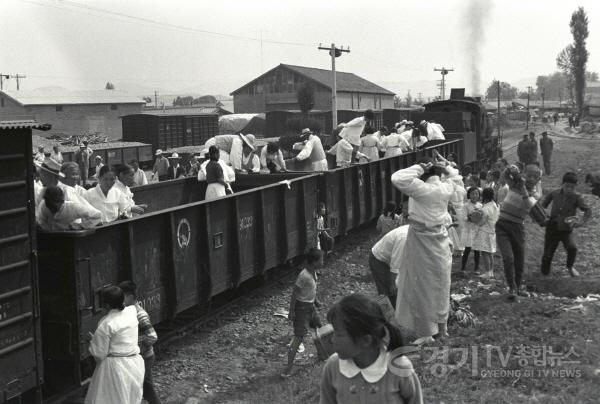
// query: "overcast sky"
[[167, 45]]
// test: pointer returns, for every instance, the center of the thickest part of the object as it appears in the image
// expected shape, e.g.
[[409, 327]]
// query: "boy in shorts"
[[302, 306]]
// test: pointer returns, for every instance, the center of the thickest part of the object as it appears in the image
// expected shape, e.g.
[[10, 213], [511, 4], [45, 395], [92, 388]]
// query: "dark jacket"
[[171, 174], [546, 146]]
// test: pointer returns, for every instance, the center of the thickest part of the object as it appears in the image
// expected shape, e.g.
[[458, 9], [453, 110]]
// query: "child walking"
[[325, 240], [484, 239], [468, 228], [365, 367], [388, 220], [302, 306]]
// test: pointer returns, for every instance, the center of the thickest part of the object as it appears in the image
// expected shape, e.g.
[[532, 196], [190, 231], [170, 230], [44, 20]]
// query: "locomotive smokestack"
[[475, 20]]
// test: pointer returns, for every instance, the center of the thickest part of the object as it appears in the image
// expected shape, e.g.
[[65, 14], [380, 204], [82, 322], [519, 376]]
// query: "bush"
[[296, 124]]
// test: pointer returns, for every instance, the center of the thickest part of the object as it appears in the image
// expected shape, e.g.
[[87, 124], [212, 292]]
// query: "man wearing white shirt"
[[139, 176], [271, 158], [231, 148], [56, 214], [385, 261], [124, 180], [311, 147]]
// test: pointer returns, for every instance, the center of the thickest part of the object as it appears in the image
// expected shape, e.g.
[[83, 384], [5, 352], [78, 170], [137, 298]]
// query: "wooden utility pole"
[[2, 77], [444, 72], [17, 76], [334, 52], [543, 97], [155, 99], [528, 93], [498, 118]]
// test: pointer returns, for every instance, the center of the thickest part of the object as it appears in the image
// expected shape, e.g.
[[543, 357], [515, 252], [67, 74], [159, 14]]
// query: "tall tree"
[[507, 92], [408, 99], [563, 62], [109, 86], [579, 54], [306, 98]]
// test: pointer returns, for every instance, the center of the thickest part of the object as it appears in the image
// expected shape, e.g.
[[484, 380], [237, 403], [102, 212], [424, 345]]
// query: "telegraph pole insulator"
[[334, 53]]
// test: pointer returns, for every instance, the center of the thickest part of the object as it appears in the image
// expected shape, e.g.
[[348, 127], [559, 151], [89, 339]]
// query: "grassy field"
[[238, 359]]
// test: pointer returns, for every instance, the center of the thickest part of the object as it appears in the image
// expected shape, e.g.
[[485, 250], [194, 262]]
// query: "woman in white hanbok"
[[119, 373]]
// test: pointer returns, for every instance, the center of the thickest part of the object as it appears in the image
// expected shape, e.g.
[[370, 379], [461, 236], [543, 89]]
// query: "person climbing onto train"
[[124, 180], [562, 221], [406, 132], [119, 373], [232, 148], [271, 159], [418, 138], [432, 131], [424, 282], [369, 365], [111, 202], [510, 230], [57, 214], [175, 170], [546, 147], [345, 152], [161, 166], [302, 306], [146, 339], [215, 178], [369, 144], [385, 261], [139, 176], [250, 160], [311, 147], [388, 220]]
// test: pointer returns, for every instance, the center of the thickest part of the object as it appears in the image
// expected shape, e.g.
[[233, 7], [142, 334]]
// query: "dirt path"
[[238, 359]]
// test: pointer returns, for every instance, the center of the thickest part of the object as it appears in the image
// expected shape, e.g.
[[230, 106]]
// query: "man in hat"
[[175, 170], [161, 166], [311, 148], [49, 171], [546, 146], [99, 164], [40, 156], [82, 158]]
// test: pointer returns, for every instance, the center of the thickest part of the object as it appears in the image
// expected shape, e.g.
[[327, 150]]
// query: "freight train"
[[181, 253]]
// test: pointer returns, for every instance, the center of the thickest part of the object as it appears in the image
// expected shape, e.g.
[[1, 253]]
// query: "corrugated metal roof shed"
[[348, 82], [59, 96], [24, 124], [179, 111]]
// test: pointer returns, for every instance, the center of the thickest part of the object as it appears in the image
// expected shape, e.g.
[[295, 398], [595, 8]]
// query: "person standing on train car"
[[228, 172], [215, 177], [271, 158], [139, 176], [231, 148], [161, 166], [119, 374], [546, 146], [250, 161], [82, 158], [49, 172], [56, 155], [394, 144], [146, 339], [423, 284], [175, 171], [380, 135], [345, 151], [369, 144], [124, 180], [311, 148], [111, 202], [433, 131], [99, 164]]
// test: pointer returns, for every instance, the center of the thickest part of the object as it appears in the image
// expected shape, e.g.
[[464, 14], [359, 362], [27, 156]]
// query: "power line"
[[160, 24]]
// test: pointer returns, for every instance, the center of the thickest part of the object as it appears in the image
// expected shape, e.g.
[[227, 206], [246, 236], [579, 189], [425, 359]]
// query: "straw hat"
[[174, 156], [158, 152], [51, 166], [249, 140]]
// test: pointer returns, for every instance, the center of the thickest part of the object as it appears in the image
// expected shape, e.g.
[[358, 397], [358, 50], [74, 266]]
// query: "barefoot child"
[[302, 306], [484, 239], [364, 368]]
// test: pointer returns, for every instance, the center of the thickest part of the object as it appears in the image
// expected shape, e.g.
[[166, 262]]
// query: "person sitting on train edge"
[[161, 166], [271, 158], [175, 170], [49, 172], [369, 144], [111, 202], [139, 176], [311, 147], [124, 180], [228, 171], [56, 214], [215, 177], [231, 148], [250, 160], [146, 338], [302, 306]]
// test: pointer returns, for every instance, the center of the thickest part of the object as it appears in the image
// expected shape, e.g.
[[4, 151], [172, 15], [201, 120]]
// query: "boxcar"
[[20, 350]]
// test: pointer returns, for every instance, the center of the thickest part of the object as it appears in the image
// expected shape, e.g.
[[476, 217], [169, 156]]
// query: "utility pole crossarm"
[[443, 71]]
